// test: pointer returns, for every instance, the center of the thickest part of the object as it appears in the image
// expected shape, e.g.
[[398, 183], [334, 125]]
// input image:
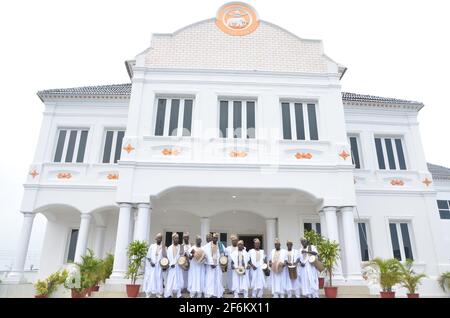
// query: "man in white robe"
[[292, 286], [213, 277], [174, 282], [228, 251], [196, 270], [240, 259], [278, 255], [186, 247], [309, 276], [258, 278], [208, 238], [153, 277]]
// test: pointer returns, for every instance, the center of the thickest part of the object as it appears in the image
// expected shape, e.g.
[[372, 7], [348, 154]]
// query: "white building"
[[234, 125]]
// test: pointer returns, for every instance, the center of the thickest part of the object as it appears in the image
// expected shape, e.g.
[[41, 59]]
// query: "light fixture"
[[234, 197]]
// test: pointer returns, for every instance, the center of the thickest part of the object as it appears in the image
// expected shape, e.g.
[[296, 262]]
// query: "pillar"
[[122, 241], [270, 235], [100, 232], [83, 235], [333, 235], [351, 261], [16, 275], [143, 222], [323, 223], [204, 228]]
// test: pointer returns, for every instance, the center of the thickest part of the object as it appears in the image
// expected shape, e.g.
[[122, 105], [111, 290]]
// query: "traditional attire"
[[241, 283], [309, 277], [174, 282], [196, 275], [277, 279], [228, 251], [213, 277], [185, 251], [153, 277], [258, 278], [292, 286]]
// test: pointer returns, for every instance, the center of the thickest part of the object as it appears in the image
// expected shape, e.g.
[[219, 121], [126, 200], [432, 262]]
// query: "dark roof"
[[439, 172], [352, 97], [124, 90]]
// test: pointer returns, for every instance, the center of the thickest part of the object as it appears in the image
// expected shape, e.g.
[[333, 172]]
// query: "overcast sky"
[[392, 48]]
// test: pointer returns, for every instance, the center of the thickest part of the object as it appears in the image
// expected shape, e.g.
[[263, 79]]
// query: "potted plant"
[[44, 288], [410, 279], [105, 270], [316, 239], [137, 250], [329, 253], [90, 268], [444, 281], [388, 274]]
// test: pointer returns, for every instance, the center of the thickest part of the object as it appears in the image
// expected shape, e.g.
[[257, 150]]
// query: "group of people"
[[290, 271]]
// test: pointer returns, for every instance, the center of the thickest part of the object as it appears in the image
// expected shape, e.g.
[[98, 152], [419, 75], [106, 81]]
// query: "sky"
[[391, 48]]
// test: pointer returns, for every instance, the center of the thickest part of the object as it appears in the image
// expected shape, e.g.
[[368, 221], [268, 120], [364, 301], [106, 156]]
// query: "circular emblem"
[[237, 19]]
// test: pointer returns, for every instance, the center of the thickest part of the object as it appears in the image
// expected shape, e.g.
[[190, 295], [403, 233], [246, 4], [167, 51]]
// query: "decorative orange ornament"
[[397, 182], [170, 152], [344, 154], [34, 173], [112, 176], [238, 154], [128, 148], [64, 175], [303, 155], [237, 19], [427, 182]]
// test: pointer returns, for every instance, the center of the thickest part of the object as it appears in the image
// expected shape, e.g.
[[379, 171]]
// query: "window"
[[390, 153], [112, 146], [401, 241], [354, 146], [444, 209], [71, 145], [173, 117], [169, 238], [312, 226], [299, 121], [363, 240], [72, 245], [237, 119]]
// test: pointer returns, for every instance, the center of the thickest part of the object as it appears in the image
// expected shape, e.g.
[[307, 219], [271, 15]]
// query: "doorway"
[[248, 240]]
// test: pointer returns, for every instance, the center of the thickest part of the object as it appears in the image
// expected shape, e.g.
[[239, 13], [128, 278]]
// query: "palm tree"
[[409, 278], [388, 271], [444, 281]]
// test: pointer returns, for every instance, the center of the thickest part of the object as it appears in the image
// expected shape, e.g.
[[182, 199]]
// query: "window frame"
[[243, 119], [168, 112], [366, 222], [113, 144], [305, 105], [68, 129], [359, 150], [395, 151], [398, 223], [446, 211], [68, 240]]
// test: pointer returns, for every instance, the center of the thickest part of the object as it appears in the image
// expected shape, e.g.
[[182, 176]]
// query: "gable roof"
[[439, 172]]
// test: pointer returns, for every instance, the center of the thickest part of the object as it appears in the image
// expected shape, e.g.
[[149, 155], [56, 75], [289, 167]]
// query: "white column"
[[204, 228], [143, 222], [100, 231], [333, 234], [351, 261], [270, 233], [122, 241], [16, 275], [83, 234], [323, 223]]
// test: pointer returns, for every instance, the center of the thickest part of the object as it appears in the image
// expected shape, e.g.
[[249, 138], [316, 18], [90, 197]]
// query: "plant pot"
[[331, 292], [414, 295], [40, 296], [321, 282], [133, 290], [95, 288], [80, 294], [387, 294]]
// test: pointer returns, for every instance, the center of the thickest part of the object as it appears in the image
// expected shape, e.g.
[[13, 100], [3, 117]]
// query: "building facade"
[[234, 125]]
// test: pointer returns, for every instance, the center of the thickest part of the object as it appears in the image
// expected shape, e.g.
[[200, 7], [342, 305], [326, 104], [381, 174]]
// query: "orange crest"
[[344, 155], [64, 175], [303, 155], [170, 152], [238, 154], [112, 176], [237, 18], [397, 182]]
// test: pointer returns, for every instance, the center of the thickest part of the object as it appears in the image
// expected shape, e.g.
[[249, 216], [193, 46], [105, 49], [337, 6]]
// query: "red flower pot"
[[133, 290], [331, 292], [80, 294], [95, 288], [40, 296], [413, 295], [387, 294], [321, 282]]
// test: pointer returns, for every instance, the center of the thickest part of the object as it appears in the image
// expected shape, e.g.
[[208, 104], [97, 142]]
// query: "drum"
[[164, 263], [314, 260], [199, 255], [240, 270], [183, 262], [265, 269], [292, 271], [277, 267], [223, 262]]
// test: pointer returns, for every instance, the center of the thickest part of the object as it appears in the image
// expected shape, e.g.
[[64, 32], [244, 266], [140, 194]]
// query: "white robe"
[[277, 279], [153, 277], [291, 284], [213, 277], [196, 274], [240, 283], [229, 275], [186, 249], [174, 281], [309, 276], [258, 278]]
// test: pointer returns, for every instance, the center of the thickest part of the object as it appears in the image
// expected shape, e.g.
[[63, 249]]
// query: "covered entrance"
[[248, 240]]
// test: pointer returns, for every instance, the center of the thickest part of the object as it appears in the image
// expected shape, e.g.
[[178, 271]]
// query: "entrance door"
[[248, 240]]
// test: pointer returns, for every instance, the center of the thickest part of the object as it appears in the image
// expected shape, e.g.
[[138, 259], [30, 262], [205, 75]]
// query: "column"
[[143, 222], [323, 223], [83, 235], [270, 234], [16, 275], [333, 234], [100, 232], [351, 261], [122, 241], [204, 228]]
